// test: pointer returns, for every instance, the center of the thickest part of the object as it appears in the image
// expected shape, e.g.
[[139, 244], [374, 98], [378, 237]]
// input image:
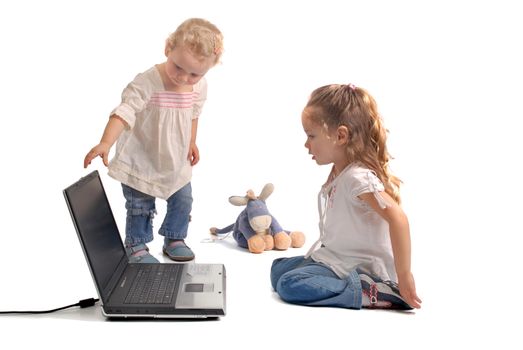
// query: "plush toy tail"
[[227, 229]]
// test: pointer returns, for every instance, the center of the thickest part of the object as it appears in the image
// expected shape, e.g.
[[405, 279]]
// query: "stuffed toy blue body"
[[255, 228]]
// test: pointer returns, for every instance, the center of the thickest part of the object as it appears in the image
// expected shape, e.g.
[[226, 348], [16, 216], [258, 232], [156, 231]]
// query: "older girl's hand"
[[407, 289]]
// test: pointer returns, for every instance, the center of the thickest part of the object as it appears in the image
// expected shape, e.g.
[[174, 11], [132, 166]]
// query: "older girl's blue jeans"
[[141, 209], [303, 281]]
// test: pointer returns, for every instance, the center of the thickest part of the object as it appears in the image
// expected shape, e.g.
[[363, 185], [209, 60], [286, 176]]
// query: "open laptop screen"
[[96, 227]]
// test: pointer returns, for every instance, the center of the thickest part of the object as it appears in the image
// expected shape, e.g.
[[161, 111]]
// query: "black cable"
[[82, 303]]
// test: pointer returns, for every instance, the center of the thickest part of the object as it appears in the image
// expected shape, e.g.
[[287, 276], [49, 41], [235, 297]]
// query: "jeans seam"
[[132, 203]]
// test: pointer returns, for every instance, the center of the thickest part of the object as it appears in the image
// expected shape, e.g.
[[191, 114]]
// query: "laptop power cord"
[[82, 304]]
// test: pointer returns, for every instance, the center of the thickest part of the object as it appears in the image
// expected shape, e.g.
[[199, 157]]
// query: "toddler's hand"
[[101, 150], [194, 154]]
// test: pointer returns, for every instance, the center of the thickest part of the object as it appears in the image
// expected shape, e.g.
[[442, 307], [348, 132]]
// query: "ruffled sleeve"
[[368, 182], [134, 99], [199, 98]]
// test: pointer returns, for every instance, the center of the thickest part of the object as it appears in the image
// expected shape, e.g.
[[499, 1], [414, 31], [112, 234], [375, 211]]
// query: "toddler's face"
[[183, 68], [320, 143]]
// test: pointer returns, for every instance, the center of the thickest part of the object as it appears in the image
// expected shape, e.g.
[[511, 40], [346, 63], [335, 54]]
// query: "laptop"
[[170, 290]]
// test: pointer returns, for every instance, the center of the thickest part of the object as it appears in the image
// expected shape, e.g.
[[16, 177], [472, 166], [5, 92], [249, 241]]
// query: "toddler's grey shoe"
[[177, 250], [140, 254]]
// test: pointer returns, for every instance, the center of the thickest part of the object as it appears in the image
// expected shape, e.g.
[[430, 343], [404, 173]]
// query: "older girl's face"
[[321, 144], [183, 69]]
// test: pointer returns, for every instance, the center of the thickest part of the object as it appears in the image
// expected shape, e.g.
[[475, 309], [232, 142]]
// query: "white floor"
[[452, 315]]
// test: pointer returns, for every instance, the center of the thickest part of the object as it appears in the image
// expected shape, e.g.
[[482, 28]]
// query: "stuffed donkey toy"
[[256, 229]]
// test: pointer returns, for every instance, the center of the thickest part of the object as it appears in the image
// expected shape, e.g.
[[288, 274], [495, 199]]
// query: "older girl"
[[363, 257]]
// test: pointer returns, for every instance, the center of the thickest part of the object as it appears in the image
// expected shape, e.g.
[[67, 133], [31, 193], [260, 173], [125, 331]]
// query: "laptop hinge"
[[117, 275]]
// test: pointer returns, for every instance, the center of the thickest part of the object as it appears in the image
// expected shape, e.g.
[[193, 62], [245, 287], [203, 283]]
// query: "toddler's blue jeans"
[[303, 281], [141, 209]]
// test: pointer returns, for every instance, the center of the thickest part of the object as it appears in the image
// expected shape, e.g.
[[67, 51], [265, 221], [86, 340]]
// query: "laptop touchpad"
[[199, 287]]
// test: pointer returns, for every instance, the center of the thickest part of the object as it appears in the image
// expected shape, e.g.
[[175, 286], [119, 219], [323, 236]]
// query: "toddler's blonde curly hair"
[[199, 36]]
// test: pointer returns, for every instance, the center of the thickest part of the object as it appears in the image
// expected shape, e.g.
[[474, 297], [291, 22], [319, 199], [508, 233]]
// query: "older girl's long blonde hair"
[[353, 107]]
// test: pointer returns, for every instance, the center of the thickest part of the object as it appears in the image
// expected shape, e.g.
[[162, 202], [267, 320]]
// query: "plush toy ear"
[[266, 192], [238, 201]]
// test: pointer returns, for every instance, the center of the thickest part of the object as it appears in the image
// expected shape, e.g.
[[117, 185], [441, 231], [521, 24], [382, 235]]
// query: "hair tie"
[[217, 44], [351, 86]]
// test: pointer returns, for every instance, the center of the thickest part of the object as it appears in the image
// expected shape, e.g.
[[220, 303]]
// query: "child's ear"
[[342, 135], [168, 49]]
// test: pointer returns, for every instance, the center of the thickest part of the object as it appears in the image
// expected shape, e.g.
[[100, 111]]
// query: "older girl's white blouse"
[[352, 234], [152, 154]]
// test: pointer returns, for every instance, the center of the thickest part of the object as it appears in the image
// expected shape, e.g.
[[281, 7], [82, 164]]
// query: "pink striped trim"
[[167, 99]]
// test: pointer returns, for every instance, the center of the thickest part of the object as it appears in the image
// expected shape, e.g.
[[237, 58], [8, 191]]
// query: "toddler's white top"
[[152, 154], [352, 234]]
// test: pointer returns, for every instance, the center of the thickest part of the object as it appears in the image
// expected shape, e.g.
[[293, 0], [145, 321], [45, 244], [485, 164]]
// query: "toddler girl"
[[156, 126]]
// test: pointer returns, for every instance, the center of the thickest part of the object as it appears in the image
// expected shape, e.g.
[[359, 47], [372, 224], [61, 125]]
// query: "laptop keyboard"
[[154, 284]]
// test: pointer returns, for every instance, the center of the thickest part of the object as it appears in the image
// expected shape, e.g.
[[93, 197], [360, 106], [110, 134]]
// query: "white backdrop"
[[447, 78]]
